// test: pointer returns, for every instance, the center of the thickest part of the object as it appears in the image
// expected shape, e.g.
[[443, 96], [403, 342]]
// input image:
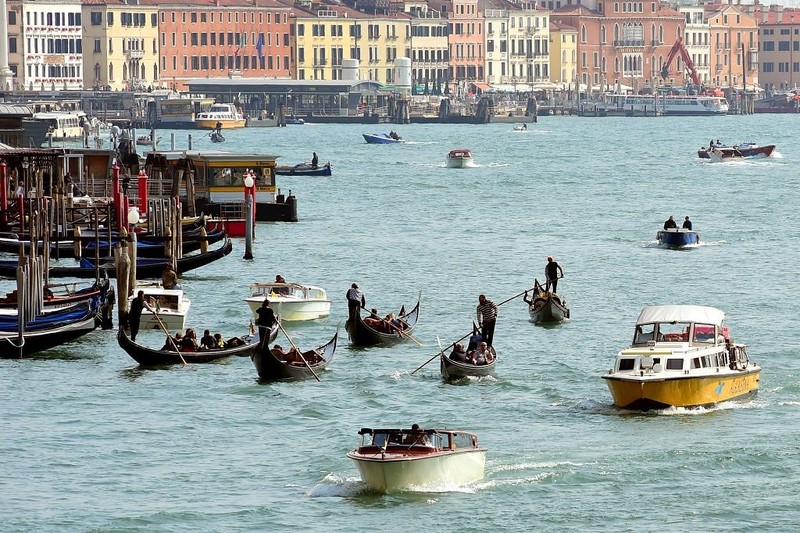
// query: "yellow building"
[[430, 50], [120, 44], [563, 53], [326, 34]]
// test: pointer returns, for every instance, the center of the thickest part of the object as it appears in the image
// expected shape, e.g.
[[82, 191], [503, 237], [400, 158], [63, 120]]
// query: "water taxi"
[[63, 124], [460, 158], [291, 301], [392, 460], [681, 356], [225, 114], [171, 306]]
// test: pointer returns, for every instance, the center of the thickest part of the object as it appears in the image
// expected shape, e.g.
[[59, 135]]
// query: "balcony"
[[320, 62], [134, 54], [628, 42], [531, 30]]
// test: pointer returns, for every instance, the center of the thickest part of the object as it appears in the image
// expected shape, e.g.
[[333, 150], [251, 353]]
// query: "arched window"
[[616, 64], [653, 32], [603, 33], [616, 32], [143, 77], [124, 72], [97, 72], [111, 72], [583, 34]]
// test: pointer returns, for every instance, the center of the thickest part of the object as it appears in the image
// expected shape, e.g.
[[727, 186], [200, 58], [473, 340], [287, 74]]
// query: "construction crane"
[[678, 47]]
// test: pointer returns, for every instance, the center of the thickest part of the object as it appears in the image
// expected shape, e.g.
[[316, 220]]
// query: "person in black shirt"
[[314, 160], [552, 271], [687, 224], [670, 223], [135, 314], [265, 321]]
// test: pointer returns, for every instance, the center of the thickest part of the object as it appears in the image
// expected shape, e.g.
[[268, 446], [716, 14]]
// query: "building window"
[[110, 19]]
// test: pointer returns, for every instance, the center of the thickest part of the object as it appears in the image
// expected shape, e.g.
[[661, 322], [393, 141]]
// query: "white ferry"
[[669, 105], [63, 124], [225, 114]]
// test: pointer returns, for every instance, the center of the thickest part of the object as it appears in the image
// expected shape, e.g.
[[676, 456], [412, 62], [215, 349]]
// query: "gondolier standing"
[[135, 314], [265, 320], [355, 300], [552, 271], [487, 316]]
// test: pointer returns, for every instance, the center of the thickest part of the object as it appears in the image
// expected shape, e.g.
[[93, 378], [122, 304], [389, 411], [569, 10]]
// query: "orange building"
[[623, 43], [466, 40], [734, 46], [224, 38]]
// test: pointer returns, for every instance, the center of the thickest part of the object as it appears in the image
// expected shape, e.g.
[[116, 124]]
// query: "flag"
[[260, 45], [238, 45]]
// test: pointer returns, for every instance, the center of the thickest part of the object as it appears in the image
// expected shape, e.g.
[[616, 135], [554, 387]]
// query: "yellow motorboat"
[[681, 356], [224, 116]]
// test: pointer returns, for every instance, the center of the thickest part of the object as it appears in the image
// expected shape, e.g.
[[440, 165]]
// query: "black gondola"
[[151, 357], [362, 334], [270, 366], [145, 267], [455, 368], [58, 328]]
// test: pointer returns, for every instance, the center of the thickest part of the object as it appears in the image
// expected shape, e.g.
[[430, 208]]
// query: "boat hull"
[[459, 162], [270, 367], [211, 123], [380, 138], [362, 334], [736, 152], [690, 391], [151, 357], [547, 308], [294, 311], [677, 237], [304, 170], [454, 370], [396, 473]]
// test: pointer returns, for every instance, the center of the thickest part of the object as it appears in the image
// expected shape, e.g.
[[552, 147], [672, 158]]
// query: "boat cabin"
[[428, 440], [287, 290], [461, 153]]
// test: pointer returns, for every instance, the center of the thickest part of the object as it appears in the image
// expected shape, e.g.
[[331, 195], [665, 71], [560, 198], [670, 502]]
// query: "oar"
[[403, 333], [164, 328], [297, 350], [468, 334]]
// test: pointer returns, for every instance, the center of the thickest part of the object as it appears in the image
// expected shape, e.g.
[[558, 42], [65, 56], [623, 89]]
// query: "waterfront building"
[[623, 43], [223, 38], [779, 47], [467, 42], [734, 46], [429, 48], [563, 54], [697, 41], [120, 44], [16, 59]]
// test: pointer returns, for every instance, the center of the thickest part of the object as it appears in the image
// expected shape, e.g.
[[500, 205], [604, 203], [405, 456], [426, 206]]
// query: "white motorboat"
[[171, 306], [681, 356], [392, 460], [460, 158], [226, 115], [290, 301]]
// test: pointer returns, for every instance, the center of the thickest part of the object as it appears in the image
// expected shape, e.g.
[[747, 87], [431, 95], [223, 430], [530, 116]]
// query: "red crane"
[[678, 47]]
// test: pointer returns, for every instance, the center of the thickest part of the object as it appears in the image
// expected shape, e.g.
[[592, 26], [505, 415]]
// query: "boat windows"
[[673, 332], [644, 333], [674, 364], [696, 363], [626, 364], [462, 440], [704, 333]]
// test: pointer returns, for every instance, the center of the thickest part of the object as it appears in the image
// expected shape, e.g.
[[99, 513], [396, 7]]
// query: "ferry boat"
[[392, 460], [668, 105], [681, 356], [225, 114], [63, 124]]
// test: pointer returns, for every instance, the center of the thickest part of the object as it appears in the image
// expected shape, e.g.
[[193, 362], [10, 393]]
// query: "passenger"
[[483, 355], [373, 314], [169, 344], [670, 223], [169, 278], [459, 354], [189, 341], [220, 342], [207, 341], [687, 224]]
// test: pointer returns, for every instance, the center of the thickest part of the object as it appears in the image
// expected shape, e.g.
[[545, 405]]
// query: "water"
[[93, 443]]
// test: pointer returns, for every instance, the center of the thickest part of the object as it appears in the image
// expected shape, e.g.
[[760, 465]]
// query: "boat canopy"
[[681, 313]]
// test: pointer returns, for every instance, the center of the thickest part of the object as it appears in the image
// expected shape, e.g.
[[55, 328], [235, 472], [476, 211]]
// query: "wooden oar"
[[164, 328], [296, 349], [403, 333]]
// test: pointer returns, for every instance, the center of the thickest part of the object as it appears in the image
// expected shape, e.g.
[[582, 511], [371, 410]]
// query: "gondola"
[[145, 267], [304, 169], [362, 334], [47, 332], [151, 357], [453, 370], [58, 301], [269, 366], [546, 307]]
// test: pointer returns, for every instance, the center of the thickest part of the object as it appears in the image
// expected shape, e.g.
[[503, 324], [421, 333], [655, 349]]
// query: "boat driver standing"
[[553, 271]]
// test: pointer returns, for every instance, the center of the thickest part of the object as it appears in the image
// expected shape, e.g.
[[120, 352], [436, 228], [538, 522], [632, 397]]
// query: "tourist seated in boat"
[[670, 223], [373, 314], [172, 342], [459, 354], [687, 224], [482, 355], [292, 356], [169, 279], [220, 342], [189, 341], [207, 341]]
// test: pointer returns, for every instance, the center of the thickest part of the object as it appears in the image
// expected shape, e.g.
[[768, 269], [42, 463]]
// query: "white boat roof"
[[681, 313]]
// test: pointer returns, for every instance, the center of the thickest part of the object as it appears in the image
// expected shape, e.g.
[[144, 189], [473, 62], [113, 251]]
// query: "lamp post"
[[249, 194]]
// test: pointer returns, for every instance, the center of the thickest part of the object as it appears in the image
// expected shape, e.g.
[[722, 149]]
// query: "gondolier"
[[135, 314], [553, 271], [355, 300], [265, 320], [487, 316]]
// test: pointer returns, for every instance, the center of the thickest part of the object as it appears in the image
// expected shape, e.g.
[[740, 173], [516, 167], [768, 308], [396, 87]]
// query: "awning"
[[481, 86]]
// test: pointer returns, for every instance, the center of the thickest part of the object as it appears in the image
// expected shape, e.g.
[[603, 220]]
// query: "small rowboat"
[[304, 169], [271, 365], [151, 357], [363, 332], [392, 460]]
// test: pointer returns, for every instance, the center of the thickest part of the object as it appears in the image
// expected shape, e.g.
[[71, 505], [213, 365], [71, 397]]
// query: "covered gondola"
[[363, 334], [271, 365], [145, 268], [47, 331], [152, 357]]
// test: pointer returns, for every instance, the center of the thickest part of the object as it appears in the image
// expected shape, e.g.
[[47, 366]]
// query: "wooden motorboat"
[[460, 158], [546, 306], [270, 363], [382, 138], [363, 332], [291, 301], [304, 169], [146, 140], [292, 120], [151, 357], [146, 268], [677, 237], [392, 460], [171, 306], [681, 356], [47, 331], [739, 151]]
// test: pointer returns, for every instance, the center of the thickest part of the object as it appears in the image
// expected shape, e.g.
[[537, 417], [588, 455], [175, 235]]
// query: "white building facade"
[[52, 38]]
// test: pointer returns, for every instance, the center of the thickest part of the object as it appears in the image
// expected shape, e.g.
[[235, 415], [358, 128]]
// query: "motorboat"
[[677, 237], [294, 121], [393, 460], [719, 152], [545, 306], [521, 127], [681, 356], [304, 169], [163, 306], [146, 140], [224, 115], [460, 158], [290, 301], [382, 138]]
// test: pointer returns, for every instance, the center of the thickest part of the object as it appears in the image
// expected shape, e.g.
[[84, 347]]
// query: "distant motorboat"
[[304, 169], [521, 127], [171, 306], [293, 120], [718, 152], [382, 138], [224, 115], [677, 237], [291, 301], [460, 158]]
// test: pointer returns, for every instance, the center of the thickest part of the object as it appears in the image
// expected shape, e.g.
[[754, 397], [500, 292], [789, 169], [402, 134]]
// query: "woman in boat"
[[189, 341], [459, 354]]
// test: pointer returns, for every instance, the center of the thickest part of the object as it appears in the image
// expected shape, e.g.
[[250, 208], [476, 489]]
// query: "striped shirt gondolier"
[[487, 311]]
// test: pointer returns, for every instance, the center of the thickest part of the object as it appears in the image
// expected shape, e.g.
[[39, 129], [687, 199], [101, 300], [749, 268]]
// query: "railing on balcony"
[[134, 54], [628, 42]]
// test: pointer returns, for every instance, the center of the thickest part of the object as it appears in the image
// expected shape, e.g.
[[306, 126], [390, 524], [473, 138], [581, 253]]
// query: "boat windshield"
[[644, 333]]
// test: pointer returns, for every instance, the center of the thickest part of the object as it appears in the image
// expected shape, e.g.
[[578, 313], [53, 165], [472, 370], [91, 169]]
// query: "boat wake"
[[337, 486], [702, 244]]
